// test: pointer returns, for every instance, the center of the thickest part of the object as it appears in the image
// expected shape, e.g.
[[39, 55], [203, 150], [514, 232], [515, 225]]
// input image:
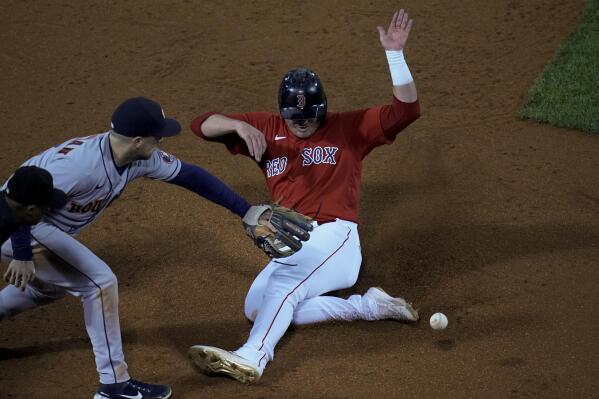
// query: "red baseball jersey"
[[320, 176]]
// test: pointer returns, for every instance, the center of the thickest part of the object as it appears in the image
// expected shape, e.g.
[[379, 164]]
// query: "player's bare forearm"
[[406, 93], [218, 125]]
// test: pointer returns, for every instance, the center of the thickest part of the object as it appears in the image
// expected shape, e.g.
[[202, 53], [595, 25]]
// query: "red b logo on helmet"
[[301, 101]]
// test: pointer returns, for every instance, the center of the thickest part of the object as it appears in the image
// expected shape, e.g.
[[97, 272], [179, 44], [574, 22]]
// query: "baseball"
[[438, 321]]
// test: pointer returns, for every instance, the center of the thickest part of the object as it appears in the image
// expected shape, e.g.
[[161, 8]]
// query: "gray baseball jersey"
[[84, 169]]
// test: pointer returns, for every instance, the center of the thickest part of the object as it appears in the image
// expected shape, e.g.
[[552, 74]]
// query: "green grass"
[[566, 94]]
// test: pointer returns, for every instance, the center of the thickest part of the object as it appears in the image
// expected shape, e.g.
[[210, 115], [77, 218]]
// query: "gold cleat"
[[211, 360]]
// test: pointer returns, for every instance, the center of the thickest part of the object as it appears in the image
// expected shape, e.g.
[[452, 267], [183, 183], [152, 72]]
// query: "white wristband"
[[400, 73]]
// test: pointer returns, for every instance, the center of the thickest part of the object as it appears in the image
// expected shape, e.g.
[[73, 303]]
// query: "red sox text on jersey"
[[320, 175], [310, 156]]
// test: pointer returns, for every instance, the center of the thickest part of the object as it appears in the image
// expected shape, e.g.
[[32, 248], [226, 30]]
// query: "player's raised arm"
[[394, 40]]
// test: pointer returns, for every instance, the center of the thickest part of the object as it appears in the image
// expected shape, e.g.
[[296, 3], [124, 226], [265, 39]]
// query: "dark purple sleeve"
[[201, 182], [21, 243]]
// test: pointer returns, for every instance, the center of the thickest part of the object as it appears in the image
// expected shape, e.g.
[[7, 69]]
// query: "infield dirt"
[[490, 220]]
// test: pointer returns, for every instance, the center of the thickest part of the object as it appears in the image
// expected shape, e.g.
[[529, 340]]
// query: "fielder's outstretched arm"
[[276, 230], [201, 182]]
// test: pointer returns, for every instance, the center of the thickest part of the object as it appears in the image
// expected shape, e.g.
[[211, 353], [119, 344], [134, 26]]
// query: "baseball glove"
[[277, 230]]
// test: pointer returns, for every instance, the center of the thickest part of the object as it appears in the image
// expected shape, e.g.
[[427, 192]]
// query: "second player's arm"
[[289, 232], [201, 182], [21, 269], [217, 125]]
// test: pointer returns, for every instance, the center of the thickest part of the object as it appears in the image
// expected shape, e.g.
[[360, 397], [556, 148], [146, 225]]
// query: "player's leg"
[[255, 295], [331, 246], [329, 261], [376, 304], [13, 300], [312, 310], [63, 265], [68, 264]]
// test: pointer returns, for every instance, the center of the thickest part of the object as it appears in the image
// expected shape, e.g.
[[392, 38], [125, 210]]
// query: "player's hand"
[[20, 273], [396, 36], [254, 139]]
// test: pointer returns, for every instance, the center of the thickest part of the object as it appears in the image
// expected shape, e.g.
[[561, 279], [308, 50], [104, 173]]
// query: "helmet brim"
[[312, 112]]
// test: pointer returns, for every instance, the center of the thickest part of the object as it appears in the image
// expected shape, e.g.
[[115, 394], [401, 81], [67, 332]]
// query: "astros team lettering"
[[93, 206], [318, 155]]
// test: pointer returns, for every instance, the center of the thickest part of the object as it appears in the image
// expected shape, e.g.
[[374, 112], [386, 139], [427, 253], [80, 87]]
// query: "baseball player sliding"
[[93, 172], [312, 162]]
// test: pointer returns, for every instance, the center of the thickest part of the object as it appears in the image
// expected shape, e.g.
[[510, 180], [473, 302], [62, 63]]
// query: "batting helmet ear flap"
[[302, 96]]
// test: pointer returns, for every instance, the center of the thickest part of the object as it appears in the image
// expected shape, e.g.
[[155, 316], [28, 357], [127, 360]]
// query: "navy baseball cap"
[[143, 117], [30, 185]]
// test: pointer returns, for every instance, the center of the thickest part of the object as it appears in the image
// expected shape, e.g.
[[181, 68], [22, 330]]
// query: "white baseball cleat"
[[212, 360], [390, 307]]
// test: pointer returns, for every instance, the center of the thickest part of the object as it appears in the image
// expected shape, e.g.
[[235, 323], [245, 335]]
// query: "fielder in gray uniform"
[[93, 171]]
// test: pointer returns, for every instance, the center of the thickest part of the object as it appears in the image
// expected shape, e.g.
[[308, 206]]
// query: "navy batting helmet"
[[301, 95]]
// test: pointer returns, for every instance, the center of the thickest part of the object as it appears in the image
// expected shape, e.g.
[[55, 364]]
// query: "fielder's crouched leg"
[[65, 265], [37, 293]]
